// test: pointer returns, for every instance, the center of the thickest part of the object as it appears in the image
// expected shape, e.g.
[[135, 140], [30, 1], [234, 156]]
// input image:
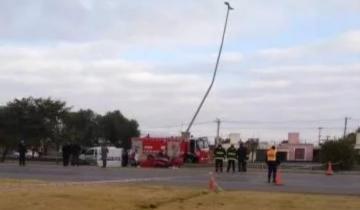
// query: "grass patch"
[[27, 196], [19, 181], [232, 200]]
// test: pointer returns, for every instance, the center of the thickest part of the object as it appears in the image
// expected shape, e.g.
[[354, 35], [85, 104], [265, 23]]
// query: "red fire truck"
[[170, 151]]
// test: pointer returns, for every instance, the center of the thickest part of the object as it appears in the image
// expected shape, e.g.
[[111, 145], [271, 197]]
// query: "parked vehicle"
[[92, 156], [28, 155], [170, 151]]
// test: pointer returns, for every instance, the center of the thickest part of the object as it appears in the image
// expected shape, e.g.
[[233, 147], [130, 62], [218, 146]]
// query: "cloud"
[[269, 84], [159, 24], [328, 50], [48, 71], [142, 90], [231, 57], [348, 42], [153, 60]]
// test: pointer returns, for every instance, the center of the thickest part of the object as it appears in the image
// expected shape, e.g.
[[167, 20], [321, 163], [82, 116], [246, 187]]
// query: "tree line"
[[341, 152], [44, 122]]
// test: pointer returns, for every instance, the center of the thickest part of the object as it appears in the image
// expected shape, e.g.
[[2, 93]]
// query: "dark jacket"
[[242, 153], [75, 149], [22, 149], [66, 150], [231, 153], [104, 152], [219, 153]]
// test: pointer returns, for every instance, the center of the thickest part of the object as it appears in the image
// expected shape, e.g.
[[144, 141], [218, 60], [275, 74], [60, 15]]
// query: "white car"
[[93, 156], [28, 154]]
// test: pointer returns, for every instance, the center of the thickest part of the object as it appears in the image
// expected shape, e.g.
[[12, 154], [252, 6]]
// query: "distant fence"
[[287, 165], [284, 165]]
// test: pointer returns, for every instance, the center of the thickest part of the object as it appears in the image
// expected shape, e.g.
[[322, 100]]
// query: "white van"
[[93, 156]]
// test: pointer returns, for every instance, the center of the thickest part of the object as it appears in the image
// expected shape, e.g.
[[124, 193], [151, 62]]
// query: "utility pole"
[[215, 71], [320, 128], [345, 127], [217, 139]]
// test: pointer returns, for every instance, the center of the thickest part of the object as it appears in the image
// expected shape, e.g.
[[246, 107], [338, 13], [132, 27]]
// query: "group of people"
[[241, 156], [70, 154], [232, 155]]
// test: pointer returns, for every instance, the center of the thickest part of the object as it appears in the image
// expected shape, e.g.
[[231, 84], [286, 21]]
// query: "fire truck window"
[[199, 144], [206, 144], [202, 144], [90, 152]]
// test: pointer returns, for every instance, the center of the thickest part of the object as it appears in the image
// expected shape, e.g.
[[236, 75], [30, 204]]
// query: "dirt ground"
[[30, 195]]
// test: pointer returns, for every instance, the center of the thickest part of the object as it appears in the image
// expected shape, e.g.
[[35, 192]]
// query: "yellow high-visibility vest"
[[271, 154]]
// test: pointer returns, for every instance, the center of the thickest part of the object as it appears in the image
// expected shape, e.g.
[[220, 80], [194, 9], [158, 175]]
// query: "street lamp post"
[[215, 71]]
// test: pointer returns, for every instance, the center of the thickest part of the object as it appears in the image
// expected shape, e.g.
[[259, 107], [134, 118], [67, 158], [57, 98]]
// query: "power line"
[[289, 128], [181, 125], [280, 122], [254, 124]]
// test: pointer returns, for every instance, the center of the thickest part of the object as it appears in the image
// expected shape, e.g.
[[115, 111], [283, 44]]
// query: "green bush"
[[358, 159], [339, 152]]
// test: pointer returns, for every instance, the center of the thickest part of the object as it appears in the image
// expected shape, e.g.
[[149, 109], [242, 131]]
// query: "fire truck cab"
[[198, 150]]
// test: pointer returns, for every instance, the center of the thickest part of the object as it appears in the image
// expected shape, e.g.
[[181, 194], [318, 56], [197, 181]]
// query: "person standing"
[[75, 152], [104, 154], [124, 158], [272, 162], [22, 153], [66, 153], [41, 151], [136, 158], [242, 157], [219, 154], [231, 156]]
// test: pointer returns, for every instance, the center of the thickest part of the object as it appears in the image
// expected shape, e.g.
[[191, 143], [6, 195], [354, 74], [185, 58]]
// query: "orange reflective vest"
[[271, 155]]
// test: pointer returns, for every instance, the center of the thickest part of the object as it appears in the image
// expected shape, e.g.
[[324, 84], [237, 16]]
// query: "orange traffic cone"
[[329, 171], [278, 180], [212, 183]]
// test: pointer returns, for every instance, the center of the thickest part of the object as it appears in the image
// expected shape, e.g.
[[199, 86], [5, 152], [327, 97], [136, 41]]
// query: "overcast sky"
[[286, 65]]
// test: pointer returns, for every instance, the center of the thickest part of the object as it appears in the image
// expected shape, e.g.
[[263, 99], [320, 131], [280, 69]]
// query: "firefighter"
[[219, 154], [272, 161], [242, 157], [231, 156]]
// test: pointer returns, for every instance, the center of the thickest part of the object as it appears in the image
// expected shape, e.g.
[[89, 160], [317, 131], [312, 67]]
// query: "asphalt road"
[[198, 177]]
